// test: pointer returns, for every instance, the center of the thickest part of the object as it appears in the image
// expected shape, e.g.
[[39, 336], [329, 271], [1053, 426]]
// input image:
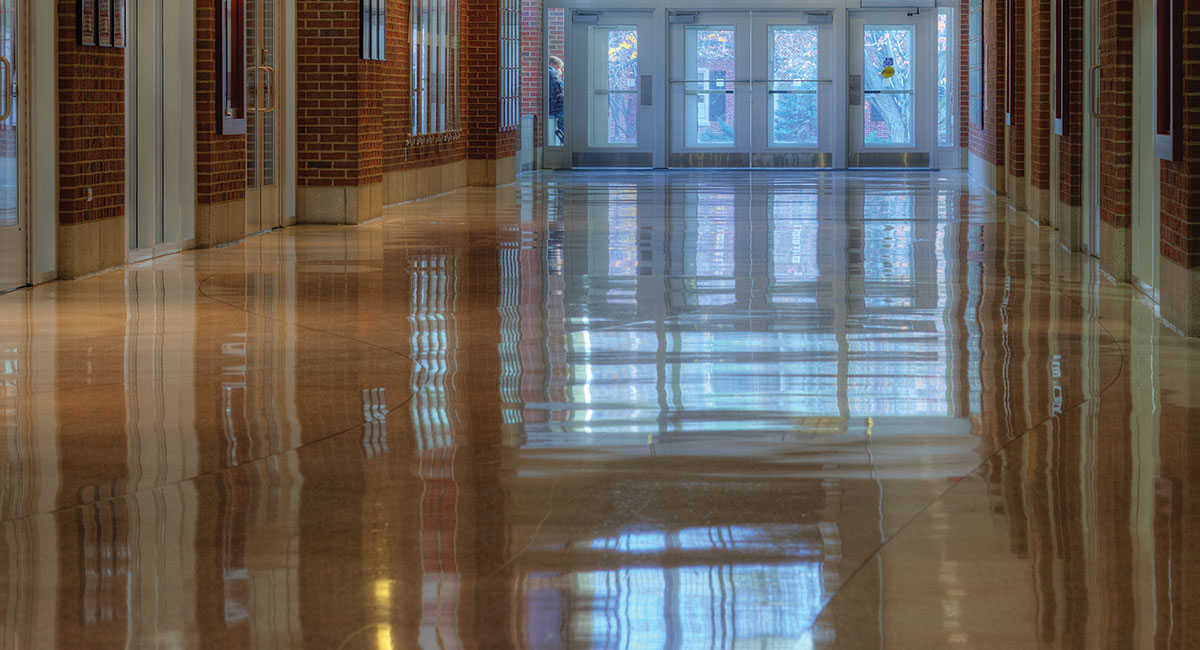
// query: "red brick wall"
[[91, 126], [481, 21], [1070, 146], [987, 141], [1180, 225], [533, 66], [1016, 130], [339, 102], [1116, 106], [1040, 119], [220, 159]]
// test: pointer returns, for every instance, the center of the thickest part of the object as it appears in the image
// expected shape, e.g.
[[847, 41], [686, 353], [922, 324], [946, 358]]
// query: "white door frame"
[[830, 150], [922, 152], [651, 90]]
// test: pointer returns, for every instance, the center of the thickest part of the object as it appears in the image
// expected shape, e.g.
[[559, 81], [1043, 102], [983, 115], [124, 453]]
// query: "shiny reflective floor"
[[607, 410]]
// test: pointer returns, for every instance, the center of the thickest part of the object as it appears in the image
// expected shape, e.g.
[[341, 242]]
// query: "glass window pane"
[[945, 114], [622, 73], [888, 82], [793, 89], [710, 73], [887, 119]]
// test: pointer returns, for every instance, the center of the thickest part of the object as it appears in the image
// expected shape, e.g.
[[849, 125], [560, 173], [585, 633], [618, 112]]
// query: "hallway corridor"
[[632, 410]]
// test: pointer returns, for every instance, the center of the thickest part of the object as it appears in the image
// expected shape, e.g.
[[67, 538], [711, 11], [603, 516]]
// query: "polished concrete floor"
[[607, 410]]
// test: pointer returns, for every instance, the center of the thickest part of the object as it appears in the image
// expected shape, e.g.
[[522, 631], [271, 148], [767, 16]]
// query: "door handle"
[[6, 108], [1097, 74], [269, 88]]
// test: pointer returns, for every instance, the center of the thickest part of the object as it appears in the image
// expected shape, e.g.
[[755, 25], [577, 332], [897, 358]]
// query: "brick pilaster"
[[1116, 105], [91, 126], [1070, 145], [1040, 119], [1016, 129]]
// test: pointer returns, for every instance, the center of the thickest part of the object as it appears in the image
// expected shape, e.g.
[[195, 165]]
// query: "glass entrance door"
[[710, 89], [14, 269], [611, 119], [892, 114], [794, 69], [263, 156]]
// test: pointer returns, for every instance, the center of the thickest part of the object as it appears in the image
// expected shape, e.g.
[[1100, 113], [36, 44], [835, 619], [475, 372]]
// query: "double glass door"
[[805, 88], [14, 270], [752, 89], [264, 209]]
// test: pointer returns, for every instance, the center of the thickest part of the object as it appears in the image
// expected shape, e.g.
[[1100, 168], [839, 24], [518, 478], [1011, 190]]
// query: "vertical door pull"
[[6, 94], [646, 90]]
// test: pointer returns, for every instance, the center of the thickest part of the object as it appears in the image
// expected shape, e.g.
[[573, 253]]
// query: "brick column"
[[91, 154], [1040, 121], [1179, 279], [491, 152], [1070, 145], [1116, 137], [1015, 140], [220, 159], [533, 72], [339, 116]]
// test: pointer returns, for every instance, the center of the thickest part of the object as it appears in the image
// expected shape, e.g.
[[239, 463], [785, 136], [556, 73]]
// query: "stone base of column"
[[90, 246], [220, 223], [1070, 225], [420, 182], [339, 205], [490, 173], [1038, 204], [1015, 191], [1115, 245], [1179, 296]]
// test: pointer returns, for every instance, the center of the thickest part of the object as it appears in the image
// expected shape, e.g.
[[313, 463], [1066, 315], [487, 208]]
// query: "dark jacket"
[[555, 93]]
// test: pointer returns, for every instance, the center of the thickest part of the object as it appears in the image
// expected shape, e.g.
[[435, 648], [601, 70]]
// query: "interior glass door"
[[710, 89], [794, 90], [613, 91], [892, 90], [14, 270], [263, 205]]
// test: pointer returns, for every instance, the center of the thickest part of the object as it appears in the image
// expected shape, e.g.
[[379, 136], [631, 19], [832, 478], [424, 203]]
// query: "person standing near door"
[[556, 98]]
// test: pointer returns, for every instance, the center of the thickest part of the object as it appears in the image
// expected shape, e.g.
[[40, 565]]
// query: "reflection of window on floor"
[[375, 408], [433, 301], [723, 606]]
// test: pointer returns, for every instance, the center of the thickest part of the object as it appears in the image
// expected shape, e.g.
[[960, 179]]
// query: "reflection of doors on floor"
[[263, 207], [13, 234]]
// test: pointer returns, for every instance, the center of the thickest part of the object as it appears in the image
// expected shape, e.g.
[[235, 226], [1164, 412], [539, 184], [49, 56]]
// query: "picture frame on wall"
[[104, 23], [86, 23], [118, 23]]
